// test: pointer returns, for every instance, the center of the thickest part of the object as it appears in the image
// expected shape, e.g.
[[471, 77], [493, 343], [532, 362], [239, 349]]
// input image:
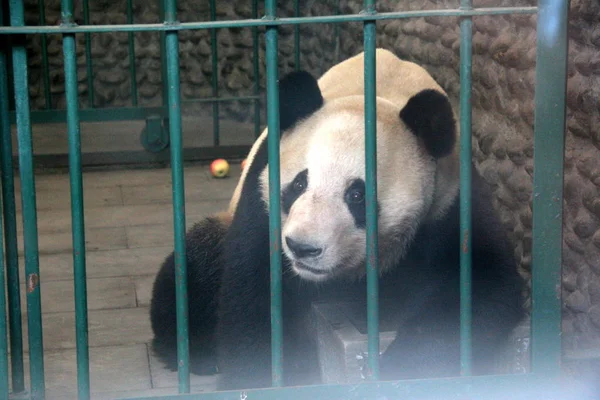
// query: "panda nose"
[[302, 250]]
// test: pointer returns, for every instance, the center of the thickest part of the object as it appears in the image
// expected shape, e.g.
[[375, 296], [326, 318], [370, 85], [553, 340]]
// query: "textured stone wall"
[[111, 64], [503, 83], [503, 116]]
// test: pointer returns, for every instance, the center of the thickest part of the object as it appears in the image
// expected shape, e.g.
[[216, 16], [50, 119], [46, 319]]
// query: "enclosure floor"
[[128, 225]]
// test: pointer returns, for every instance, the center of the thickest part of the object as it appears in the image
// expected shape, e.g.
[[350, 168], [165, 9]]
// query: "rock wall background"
[[111, 65], [503, 83], [503, 115]]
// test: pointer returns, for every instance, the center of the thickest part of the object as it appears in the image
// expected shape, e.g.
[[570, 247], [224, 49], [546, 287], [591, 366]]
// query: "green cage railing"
[[549, 136], [154, 136]]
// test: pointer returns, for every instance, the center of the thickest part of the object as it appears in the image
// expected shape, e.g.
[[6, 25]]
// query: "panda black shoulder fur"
[[323, 237]]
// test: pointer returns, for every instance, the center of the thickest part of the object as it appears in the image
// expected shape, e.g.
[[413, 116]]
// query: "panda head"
[[322, 158]]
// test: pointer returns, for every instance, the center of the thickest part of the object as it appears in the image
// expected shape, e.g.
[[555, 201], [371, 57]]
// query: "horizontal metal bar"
[[97, 159], [220, 99], [94, 114], [525, 386], [118, 114], [265, 22]]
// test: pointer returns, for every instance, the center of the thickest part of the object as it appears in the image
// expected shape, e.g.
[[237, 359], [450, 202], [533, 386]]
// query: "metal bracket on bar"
[[155, 136]]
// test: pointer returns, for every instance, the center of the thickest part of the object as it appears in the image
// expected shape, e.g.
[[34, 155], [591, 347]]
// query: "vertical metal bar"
[[371, 191], [88, 55], [131, 43], [45, 68], [172, 53], [255, 67], [465, 190], [32, 270], [77, 216], [271, 38], [6, 21], [163, 59], [215, 73], [3, 327], [336, 53], [296, 37], [10, 227], [549, 147]]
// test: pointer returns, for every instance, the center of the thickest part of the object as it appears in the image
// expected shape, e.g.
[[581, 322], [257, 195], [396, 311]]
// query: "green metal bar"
[[77, 216], [103, 158], [270, 22], [30, 236], [88, 55], [256, 70], [118, 114], [215, 72], [45, 68], [336, 27], [296, 37], [10, 228], [172, 53], [131, 43], [221, 99], [466, 36], [370, 37], [163, 55], [3, 327], [524, 386], [271, 38], [6, 24], [93, 114], [548, 174]]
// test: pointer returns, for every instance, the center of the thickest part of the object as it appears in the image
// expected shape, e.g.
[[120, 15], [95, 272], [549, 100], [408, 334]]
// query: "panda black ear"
[[299, 96], [429, 115]]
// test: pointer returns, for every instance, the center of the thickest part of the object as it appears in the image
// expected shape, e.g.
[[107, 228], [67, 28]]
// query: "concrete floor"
[[128, 217]]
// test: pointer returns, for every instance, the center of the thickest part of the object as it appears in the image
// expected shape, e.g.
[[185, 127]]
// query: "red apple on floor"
[[219, 168]]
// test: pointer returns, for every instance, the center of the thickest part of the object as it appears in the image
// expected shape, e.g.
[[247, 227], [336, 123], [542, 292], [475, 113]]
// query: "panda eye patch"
[[355, 193], [354, 197], [293, 190], [299, 184]]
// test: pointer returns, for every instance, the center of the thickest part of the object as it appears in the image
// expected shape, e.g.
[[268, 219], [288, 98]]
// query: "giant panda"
[[324, 240]]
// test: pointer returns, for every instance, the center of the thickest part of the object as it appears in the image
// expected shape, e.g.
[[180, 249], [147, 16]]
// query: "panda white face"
[[323, 190], [322, 155]]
